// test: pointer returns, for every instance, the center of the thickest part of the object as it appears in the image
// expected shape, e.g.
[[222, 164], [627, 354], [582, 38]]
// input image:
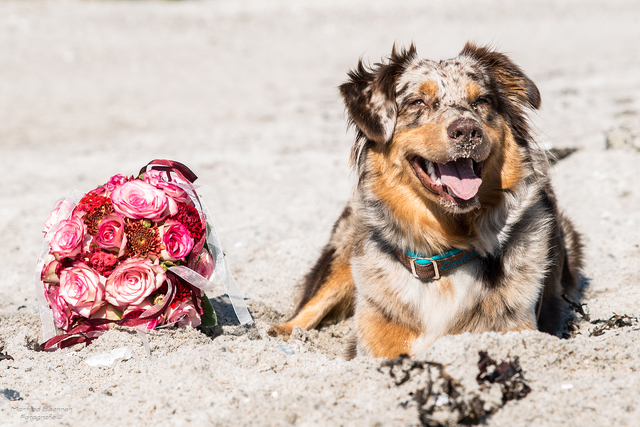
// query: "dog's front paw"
[[283, 331], [420, 347]]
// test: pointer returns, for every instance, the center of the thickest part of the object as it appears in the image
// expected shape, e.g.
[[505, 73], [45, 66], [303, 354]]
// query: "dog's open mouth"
[[457, 181]]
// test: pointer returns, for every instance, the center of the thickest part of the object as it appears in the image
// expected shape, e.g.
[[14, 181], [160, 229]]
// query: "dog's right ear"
[[370, 95]]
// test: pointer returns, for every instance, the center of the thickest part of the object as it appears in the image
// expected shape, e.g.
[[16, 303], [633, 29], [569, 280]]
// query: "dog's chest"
[[443, 303], [440, 304], [432, 306]]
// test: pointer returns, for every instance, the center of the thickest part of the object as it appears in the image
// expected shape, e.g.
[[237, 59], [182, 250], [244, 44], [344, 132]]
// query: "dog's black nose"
[[464, 131]]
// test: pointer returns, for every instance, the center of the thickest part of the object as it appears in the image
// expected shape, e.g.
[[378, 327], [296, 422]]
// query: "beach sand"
[[245, 94]]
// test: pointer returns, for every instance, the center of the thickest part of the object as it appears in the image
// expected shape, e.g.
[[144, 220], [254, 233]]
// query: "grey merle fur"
[[529, 251]]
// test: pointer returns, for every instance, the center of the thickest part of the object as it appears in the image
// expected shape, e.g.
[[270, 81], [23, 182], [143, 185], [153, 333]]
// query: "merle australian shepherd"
[[453, 226]]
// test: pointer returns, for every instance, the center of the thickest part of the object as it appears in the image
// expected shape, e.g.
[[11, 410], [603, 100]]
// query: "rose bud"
[[114, 182], [177, 241], [183, 314], [205, 265], [111, 233]]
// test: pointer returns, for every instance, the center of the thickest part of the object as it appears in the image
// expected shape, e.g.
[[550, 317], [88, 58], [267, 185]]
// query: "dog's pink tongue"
[[460, 178]]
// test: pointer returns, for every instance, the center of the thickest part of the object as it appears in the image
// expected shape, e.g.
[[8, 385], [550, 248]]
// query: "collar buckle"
[[433, 262]]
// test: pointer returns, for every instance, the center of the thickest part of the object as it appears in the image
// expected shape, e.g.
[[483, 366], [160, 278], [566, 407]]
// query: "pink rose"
[[62, 315], [81, 288], [136, 199], [50, 270], [111, 233], [205, 264], [132, 281], [156, 178], [177, 240], [54, 217], [68, 239], [114, 182], [184, 313]]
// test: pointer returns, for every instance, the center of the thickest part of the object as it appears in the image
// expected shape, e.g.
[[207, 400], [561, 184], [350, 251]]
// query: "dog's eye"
[[481, 101], [419, 103]]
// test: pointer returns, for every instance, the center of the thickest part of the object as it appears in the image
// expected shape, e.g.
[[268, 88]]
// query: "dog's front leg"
[[328, 289], [331, 298], [379, 336]]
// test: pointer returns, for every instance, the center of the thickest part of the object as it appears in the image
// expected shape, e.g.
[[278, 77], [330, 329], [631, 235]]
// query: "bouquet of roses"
[[135, 251]]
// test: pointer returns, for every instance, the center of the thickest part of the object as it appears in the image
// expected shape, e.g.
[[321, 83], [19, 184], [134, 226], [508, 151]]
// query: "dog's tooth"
[[432, 171]]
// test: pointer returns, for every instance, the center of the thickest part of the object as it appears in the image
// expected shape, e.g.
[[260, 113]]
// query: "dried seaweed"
[[578, 308], [507, 373], [32, 344], [572, 330], [440, 399], [615, 321], [4, 356]]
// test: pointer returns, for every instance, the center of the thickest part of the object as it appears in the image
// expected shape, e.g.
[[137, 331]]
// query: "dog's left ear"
[[370, 95], [510, 79]]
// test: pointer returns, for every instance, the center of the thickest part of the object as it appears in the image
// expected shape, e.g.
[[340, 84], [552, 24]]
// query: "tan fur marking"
[[334, 296], [429, 88], [413, 205], [473, 91], [446, 287], [382, 337], [504, 168], [512, 171]]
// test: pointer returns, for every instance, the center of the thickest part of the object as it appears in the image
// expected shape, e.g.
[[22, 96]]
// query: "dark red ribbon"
[[171, 165], [79, 333], [186, 174], [76, 335]]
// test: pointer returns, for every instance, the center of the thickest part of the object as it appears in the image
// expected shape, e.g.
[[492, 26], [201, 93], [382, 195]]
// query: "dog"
[[453, 225]]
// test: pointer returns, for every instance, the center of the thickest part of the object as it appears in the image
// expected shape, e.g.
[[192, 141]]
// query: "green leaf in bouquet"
[[208, 319]]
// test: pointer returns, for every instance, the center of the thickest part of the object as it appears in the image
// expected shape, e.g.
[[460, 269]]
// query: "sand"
[[245, 94]]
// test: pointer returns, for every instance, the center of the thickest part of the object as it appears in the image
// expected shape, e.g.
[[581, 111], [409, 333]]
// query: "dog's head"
[[451, 134]]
